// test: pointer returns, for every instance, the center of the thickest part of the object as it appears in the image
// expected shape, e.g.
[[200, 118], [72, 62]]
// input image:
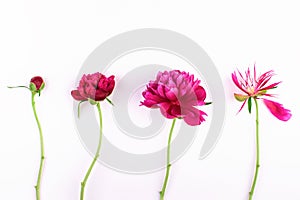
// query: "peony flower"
[[93, 88], [176, 94], [36, 85], [257, 87]]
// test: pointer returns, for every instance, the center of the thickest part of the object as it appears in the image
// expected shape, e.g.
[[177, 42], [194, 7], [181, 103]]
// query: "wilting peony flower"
[[256, 87], [94, 86], [176, 94]]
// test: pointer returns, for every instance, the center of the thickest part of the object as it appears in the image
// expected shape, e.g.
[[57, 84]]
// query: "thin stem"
[[11, 87], [38, 183], [83, 183], [257, 153], [162, 192]]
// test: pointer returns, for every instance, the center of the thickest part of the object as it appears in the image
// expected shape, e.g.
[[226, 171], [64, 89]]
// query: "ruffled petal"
[[165, 110], [201, 95], [100, 95], [193, 116], [149, 103], [76, 95]]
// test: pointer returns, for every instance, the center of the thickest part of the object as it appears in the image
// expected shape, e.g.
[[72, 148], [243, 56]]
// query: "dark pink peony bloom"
[[94, 86], [176, 94], [257, 87], [38, 82]]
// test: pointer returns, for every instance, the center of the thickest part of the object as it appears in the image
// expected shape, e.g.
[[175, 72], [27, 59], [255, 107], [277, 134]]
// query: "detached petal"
[[76, 95], [278, 110]]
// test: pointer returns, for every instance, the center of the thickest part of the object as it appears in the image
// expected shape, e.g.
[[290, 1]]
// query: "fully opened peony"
[[177, 94], [256, 88], [93, 88], [36, 85]]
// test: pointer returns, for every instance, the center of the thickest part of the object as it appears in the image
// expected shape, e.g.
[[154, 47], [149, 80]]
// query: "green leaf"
[[109, 101], [262, 92], [249, 105], [240, 97], [207, 103]]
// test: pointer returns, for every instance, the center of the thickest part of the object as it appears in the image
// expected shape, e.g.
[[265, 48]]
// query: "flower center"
[[250, 90]]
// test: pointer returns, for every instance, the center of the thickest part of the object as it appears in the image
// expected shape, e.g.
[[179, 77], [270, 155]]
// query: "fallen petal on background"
[[278, 110]]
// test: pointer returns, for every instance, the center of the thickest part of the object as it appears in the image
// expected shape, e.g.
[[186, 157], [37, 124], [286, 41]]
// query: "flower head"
[[38, 82], [176, 94], [36, 85], [95, 87], [258, 87]]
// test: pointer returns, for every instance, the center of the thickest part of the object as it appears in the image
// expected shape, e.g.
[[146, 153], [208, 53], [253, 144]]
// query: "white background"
[[53, 38]]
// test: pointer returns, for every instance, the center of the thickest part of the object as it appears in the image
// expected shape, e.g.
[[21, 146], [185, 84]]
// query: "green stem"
[[83, 183], [38, 183], [162, 192], [257, 153]]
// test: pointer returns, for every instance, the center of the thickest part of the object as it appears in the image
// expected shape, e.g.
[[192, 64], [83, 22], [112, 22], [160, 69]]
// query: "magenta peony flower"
[[176, 94], [94, 86], [256, 87]]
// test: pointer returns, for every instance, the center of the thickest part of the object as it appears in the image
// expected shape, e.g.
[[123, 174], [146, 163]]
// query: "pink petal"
[[242, 106], [149, 96], [278, 110], [170, 95], [254, 72], [264, 78], [270, 86], [262, 82], [165, 110], [76, 95], [149, 103], [193, 116], [234, 79], [201, 95], [161, 90]]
